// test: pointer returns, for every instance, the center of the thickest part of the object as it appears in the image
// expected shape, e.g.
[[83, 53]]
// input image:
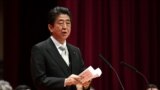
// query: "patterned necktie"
[[64, 54]]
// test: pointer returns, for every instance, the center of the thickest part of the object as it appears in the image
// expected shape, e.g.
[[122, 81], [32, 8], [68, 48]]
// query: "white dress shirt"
[[63, 53]]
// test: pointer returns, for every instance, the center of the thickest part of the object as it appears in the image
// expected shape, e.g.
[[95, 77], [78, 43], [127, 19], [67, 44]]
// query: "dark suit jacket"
[[48, 67]]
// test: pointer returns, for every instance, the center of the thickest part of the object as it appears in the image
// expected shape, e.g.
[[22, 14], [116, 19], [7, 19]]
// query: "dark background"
[[25, 23], [121, 30]]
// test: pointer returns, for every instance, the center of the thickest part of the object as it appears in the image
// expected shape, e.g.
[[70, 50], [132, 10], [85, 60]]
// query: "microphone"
[[134, 69], [112, 69]]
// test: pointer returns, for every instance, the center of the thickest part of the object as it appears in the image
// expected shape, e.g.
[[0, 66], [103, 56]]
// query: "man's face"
[[61, 28]]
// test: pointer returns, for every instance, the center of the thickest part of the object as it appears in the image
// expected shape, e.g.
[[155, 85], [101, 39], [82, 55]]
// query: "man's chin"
[[65, 36]]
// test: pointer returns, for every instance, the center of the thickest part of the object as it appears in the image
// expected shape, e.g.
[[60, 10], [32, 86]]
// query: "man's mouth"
[[64, 32]]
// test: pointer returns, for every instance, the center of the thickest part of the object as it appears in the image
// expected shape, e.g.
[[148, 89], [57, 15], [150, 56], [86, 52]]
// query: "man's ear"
[[50, 28]]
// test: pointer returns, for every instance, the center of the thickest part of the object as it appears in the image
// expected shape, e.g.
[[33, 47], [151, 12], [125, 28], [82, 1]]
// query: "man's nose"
[[64, 26]]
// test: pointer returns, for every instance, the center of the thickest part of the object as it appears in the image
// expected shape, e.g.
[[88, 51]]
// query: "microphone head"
[[129, 66], [105, 60]]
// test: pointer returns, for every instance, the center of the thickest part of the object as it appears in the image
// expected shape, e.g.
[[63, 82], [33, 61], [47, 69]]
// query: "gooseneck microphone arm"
[[112, 69], [134, 69]]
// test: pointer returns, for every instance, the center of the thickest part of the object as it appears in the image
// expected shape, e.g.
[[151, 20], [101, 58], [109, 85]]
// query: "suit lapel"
[[57, 57], [72, 57]]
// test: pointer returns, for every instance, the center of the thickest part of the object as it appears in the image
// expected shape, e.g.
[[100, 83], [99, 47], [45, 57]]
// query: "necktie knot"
[[62, 48]]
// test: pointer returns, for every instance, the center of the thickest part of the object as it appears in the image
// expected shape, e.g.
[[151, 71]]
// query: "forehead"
[[63, 17]]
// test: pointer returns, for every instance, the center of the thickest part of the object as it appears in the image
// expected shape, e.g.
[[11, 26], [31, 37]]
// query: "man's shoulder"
[[72, 46], [43, 43]]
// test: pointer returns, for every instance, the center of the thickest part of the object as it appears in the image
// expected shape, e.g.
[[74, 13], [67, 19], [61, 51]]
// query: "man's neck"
[[58, 41]]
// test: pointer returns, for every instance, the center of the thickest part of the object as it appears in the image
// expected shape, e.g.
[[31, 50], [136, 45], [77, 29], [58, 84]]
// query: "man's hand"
[[72, 80], [83, 86], [86, 84]]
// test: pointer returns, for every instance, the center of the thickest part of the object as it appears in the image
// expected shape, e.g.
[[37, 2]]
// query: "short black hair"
[[54, 12]]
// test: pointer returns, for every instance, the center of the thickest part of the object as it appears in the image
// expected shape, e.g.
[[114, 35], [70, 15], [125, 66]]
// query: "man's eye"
[[60, 23], [68, 23]]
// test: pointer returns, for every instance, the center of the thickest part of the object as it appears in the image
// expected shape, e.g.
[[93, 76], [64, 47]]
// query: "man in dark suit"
[[55, 64]]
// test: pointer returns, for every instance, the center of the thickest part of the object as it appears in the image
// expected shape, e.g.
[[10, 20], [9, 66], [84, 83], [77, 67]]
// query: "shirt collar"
[[57, 44]]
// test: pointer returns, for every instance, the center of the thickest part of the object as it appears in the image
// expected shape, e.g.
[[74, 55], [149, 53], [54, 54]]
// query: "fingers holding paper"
[[84, 78], [89, 74], [72, 80], [76, 80], [86, 84]]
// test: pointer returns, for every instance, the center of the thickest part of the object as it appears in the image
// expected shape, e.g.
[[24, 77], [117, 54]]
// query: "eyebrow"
[[64, 20]]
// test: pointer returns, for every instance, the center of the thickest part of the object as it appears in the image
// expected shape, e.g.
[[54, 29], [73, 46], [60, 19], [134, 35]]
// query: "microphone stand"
[[134, 69], [112, 69]]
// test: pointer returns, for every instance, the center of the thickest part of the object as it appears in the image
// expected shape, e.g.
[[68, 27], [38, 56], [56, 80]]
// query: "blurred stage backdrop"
[[121, 30]]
